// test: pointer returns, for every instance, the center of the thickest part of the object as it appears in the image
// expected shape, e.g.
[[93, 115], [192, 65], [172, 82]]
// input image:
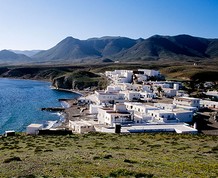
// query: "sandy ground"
[[76, 112]]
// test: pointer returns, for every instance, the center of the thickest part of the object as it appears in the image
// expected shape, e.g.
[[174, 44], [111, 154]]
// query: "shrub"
[[108, 156], [124, 172], [129, 161], [15, 158]]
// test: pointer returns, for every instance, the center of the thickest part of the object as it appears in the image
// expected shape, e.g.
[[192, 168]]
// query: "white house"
[[131, 95], [115, 115], [93, 108], [187, 108], [139, 107], [183, 115], [169, 92], [120, 76], [103, 97], [212, 94], [146, 88], [146, 96], [33, 129], [141, 78], [176, 86], [165, 106], [162, 116], [82, 126], [187, 101], [140, 111], [129, 86], [150, 73], [113, 88], [161, 84], [209, 104]]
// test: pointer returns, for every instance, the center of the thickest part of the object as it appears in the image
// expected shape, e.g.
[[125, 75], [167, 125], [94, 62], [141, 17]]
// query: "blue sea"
[[21, 102]]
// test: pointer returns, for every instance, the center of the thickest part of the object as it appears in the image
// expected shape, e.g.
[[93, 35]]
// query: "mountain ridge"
[[180, 47], [115, 48], [8, 56]]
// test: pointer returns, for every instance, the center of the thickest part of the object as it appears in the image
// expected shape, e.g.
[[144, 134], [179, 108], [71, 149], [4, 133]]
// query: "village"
[[133, 102]]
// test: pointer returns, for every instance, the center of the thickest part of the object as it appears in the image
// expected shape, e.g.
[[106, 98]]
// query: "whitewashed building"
[[146, 88], [82, 126], [141, 77], [93, 108], [183, 115], [146, 96], [131, 95], [33, 129], [120, 76], [103, 97], [112, 116], [169, 92], [187, 101], [162, 116], [165, 106], [150, 73], [113, 88], [209, 104]]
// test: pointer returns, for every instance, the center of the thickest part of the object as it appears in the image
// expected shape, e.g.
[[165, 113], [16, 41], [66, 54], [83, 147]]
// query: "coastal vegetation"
[[109, 155], [90, 76], [79, 80]]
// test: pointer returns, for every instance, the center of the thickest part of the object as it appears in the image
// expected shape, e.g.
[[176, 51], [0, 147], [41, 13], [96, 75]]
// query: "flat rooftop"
[[177, 127], [187, 98]]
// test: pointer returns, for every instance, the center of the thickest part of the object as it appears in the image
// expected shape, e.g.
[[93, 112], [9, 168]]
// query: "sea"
[[21, 102]]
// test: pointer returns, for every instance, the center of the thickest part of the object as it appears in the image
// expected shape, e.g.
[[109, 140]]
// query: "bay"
[[21, 102]]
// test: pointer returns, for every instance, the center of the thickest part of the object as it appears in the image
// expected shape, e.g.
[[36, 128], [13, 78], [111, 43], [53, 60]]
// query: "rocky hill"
[[181, 47], [109, 49], [7, 56]]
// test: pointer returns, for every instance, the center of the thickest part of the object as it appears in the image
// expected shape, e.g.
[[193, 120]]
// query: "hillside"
[[7, 56], [110, 49], [63, 76], [28, 53], [109, 155], [71, 49], [181, 47], [165, 47]]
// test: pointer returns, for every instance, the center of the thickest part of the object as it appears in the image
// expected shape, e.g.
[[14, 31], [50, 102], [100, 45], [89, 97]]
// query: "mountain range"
[[28, 53], [109, 49]]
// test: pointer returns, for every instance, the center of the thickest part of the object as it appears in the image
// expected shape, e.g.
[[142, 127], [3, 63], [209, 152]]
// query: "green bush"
[[15, 158]]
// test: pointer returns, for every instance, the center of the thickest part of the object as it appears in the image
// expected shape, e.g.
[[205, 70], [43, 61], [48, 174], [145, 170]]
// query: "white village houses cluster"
[[128, 102]]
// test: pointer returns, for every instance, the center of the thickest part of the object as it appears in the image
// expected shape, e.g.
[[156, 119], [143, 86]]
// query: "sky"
[[41, 24]]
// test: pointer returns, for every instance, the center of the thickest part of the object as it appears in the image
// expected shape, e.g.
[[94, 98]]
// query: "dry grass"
[[103, 155]]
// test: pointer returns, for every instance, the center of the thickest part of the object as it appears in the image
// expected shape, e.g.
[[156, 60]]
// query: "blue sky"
[[40, 24]]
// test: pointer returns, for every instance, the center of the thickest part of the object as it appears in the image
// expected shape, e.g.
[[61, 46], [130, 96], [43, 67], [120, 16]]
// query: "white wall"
[[184, 116]]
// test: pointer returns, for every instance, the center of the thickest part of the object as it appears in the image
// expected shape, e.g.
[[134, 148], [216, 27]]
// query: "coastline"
[[79, 92], [70, 107], [61, 117]]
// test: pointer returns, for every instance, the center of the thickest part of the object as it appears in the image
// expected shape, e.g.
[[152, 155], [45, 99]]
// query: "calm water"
[[21, 101]]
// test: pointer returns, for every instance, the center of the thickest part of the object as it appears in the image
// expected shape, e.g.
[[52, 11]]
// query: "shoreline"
[[80, 92], [61, 117]]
